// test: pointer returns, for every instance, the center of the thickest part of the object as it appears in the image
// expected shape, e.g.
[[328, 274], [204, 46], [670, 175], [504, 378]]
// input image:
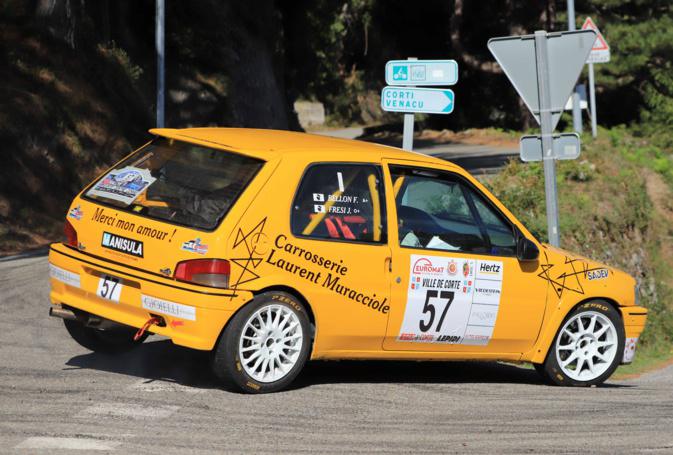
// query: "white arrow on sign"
[[417, 100]]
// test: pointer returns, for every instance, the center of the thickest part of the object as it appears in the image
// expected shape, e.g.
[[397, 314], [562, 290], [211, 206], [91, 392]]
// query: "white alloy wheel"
[[270, 343], [586, 346]]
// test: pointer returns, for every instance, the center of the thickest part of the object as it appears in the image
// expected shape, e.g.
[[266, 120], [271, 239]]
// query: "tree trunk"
[[464, 55], [62, 19]]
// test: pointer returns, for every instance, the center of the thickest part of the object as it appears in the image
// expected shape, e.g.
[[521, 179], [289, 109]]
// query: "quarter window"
[[340, 201], [438, 211]]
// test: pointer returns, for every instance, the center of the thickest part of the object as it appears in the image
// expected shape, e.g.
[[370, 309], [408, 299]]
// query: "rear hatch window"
[[177, 182]]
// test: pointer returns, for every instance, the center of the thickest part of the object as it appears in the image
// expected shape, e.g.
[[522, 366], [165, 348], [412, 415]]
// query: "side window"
[[499, 232], [340, 201], [438, 211]]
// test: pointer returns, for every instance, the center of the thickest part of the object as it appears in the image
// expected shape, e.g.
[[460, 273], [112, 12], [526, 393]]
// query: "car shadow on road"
[[163, 362], [156, 361]]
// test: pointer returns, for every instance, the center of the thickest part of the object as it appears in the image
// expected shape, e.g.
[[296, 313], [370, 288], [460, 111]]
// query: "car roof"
[[267, 143]]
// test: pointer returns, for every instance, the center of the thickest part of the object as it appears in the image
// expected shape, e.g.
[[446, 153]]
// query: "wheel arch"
[[298, 295], [541, 349], [304, 301]]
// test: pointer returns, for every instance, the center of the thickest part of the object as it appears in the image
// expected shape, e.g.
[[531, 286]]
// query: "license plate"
[[109, 288]]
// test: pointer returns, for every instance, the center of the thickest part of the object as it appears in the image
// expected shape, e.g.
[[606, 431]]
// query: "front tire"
[[265, 345], [587, 348], [109, 341]]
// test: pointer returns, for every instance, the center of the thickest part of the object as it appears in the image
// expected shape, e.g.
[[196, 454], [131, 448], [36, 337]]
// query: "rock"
[[309, 113]]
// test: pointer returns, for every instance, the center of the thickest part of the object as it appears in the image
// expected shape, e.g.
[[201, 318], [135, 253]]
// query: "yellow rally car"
[[270, 247]]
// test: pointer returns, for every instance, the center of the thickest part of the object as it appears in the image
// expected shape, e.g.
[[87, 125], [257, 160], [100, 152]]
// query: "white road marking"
[[133, 411], [43, 442], [149, 385]]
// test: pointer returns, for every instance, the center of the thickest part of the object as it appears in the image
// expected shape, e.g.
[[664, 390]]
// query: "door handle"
[[388, 264]]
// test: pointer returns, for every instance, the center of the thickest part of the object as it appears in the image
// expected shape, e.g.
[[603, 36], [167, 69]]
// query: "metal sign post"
[[160, 20], [577, 112], [404, 95], [600, 53], [592, 101], [544, 95], [408, 128], [544, 68]]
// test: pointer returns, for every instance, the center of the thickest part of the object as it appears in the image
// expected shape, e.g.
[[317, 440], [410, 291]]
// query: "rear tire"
[[587, 348], [109, 341], [265, 345]]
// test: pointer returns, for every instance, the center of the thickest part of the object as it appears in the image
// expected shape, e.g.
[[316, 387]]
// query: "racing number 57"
[[109, 287], [430, 308]]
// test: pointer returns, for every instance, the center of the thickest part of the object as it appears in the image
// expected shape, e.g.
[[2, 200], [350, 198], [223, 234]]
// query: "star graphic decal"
[[569, 274], [255, 242]]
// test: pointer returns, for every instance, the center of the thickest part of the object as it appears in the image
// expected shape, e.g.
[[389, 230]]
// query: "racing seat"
[[349, 227]]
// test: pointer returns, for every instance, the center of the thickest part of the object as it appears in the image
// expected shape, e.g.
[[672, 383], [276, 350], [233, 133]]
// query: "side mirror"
[[526, 250]]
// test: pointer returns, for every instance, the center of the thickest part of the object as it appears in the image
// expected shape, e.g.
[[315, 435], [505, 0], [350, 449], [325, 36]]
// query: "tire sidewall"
[[553, 369], [226, 361]]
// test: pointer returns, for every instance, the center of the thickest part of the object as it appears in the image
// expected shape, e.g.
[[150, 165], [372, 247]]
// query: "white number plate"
[[110, 288]]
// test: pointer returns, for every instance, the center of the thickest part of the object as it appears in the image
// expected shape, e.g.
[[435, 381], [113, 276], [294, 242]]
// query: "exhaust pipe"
[[88, 319], [63, 313]]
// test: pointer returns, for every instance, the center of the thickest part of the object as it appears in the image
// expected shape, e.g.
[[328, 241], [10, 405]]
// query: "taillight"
[[209, 272], [70, 234]]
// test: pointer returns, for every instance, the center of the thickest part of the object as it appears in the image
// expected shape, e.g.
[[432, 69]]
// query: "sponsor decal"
[[415, 337], [460, 310], [122, 244], [103, 217], [452, 268], [489, 270], [195, 246], [64, 276], [123, 185], [477, 339], [467, 269], [253, 248], [597, 274], [425, 266], [76, 213], [485, 267], [629, 350], [169, 308]]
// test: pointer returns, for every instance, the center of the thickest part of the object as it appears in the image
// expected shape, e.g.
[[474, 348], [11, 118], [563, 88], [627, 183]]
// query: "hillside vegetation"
[[64, 117], [615, 208]]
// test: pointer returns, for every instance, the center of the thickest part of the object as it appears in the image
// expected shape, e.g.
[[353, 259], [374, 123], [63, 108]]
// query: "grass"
[[647, 359]]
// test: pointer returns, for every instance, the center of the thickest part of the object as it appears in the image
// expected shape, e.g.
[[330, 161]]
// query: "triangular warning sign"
[[600, 44]]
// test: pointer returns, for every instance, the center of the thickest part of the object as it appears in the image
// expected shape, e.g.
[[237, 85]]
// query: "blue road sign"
[[417, 100], [421, 72]]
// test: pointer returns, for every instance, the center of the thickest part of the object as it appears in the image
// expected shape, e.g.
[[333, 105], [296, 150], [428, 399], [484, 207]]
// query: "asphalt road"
[[57, 397]]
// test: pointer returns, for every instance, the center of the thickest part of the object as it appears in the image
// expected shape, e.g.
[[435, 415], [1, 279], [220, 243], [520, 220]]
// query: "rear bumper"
[[634, 318], [194, 315]]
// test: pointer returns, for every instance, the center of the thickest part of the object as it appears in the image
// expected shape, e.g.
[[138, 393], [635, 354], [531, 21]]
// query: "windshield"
[[178, 182]]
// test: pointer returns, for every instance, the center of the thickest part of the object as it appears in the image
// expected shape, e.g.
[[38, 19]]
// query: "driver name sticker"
[[451, 300], [123, 185]]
